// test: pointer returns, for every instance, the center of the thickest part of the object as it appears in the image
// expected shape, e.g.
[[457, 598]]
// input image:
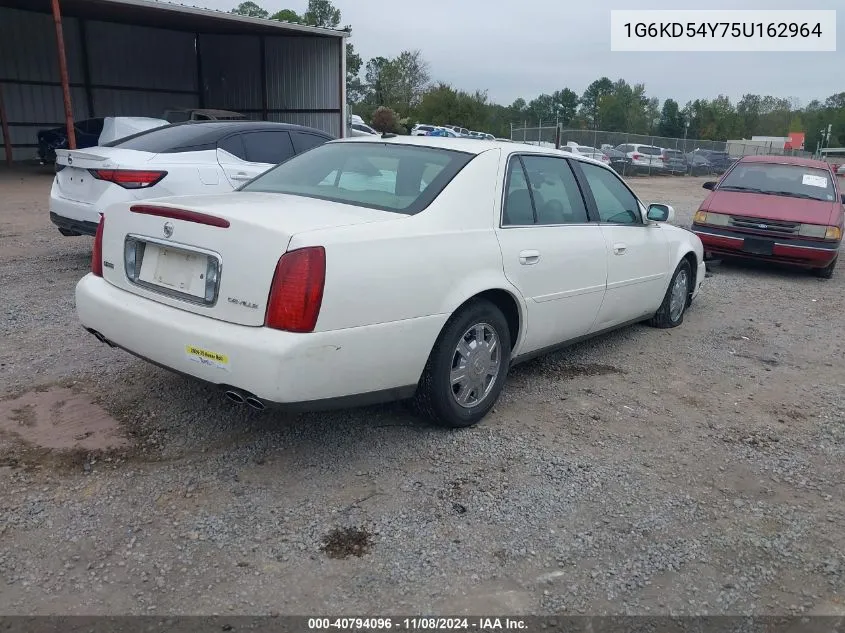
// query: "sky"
[[527, 47]]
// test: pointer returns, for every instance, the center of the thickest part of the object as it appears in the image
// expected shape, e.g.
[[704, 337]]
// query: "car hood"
[[758, 205]]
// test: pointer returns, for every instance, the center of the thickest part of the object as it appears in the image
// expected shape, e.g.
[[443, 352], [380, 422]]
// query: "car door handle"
[[528, 258], [619, 249], [241, 176]]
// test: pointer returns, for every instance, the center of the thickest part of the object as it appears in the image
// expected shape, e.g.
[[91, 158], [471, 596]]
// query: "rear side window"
[[164, 139], [234, 145], [557, 198], [390, 177], [303, 141], [267, 147]]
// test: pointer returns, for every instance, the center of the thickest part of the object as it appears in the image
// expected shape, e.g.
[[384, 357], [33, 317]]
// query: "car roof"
[[469, 145], [209, 132], [787, 160]]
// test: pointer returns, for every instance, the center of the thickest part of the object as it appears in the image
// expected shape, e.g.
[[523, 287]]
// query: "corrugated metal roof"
[[172, 15]]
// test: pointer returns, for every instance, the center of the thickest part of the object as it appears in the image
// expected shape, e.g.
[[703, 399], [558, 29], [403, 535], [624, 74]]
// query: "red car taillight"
[[97, 250], [129, 178], [297, 290], [636, 156]]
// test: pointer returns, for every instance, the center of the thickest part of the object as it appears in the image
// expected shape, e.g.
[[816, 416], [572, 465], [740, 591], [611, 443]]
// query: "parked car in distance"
[[774, 208], [326, 277], [585, 150], [202, 114], [180, 159], [674, 161], [644, 158], [87, 132], [363, 128], [714, 161], [619, 161], [457, 129], [422, 129], [442, 131]]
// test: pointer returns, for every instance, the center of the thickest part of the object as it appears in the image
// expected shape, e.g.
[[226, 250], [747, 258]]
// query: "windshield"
[[787, 180], [387, 176]]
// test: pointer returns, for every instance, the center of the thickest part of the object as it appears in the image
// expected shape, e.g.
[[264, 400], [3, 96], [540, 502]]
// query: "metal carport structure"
[[141, 57]]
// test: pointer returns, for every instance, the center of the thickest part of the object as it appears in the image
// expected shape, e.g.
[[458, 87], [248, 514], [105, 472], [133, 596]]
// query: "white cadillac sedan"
[[384, 268]]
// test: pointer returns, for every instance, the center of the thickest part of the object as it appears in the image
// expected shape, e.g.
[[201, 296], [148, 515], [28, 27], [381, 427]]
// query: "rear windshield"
[[391, 177], [785, 180], [647, 149], [163, 139], [587, 150], [673, 152]]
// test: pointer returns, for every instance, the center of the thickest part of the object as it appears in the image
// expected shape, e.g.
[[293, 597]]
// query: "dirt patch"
[[345, 542], [61, 420], [574, 371]]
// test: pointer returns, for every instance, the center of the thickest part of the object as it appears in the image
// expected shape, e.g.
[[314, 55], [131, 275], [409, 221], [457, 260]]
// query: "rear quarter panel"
[[422, 265]]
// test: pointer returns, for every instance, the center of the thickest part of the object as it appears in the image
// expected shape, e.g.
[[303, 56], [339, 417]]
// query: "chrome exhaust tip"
[[255, 403], [235, 396]]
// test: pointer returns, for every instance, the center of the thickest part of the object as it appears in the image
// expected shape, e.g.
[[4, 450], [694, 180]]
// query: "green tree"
[[287, 15], [566, 105], [748, 115], [592, 97], [250, 10], [671, 120], [321, 13]]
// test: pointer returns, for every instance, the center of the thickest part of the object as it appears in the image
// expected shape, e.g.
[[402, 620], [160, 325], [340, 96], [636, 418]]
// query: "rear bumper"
[[71, 211], [321, 369], [81, 227], [805, 253]]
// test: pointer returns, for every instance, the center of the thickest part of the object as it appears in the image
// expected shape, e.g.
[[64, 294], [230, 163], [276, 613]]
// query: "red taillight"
[[97, 250], [129, 178], [297, 290], [636, 156], [180, 214]]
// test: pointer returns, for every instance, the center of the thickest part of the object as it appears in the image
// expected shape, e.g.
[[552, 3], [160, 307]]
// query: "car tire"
[[671, 312], [459, 404], [827, 271]]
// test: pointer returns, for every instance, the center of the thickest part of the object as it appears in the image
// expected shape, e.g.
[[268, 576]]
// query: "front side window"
[[775, 179], [616, 204], [386, 176]]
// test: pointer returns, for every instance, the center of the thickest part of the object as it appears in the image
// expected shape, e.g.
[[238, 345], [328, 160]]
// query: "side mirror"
[[660, 213], [711, 185]]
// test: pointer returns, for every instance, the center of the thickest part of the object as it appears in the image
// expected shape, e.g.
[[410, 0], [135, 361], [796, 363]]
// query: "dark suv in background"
[[708, 161], [674, 161]]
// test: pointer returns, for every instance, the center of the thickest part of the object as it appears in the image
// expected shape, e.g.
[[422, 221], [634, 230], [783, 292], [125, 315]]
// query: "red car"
[[774, 208]]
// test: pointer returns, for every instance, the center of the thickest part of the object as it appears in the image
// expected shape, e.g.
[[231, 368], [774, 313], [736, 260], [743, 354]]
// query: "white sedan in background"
[[179, 159], [310, 286]]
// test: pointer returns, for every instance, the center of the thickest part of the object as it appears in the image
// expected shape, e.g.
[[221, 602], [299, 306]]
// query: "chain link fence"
[[685, 155]]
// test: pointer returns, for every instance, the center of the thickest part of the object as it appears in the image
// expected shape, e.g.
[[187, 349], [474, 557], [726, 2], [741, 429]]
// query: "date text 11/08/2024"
[[418, 624], [722, 29]]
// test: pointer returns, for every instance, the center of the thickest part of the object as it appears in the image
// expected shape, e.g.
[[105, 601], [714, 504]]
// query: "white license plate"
[[174, 269]]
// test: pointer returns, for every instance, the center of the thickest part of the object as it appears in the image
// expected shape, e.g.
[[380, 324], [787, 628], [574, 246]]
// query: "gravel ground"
[[689, 471]]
